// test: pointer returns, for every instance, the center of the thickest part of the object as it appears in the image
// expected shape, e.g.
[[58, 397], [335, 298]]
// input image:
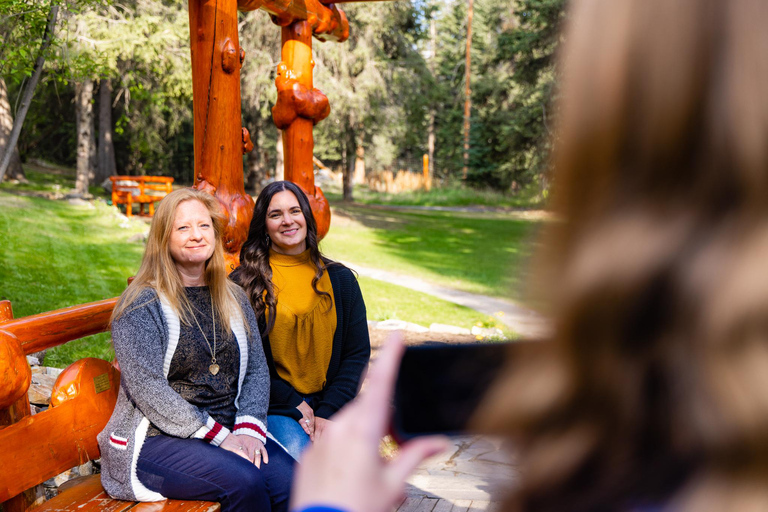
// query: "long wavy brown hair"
[[158, 269], [654, 388], [254, 273]]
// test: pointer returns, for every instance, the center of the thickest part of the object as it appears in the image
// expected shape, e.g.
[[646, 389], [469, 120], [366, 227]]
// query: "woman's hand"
[[344, 469], [308, 419], [320, 426], [255, 449], [246, 447]]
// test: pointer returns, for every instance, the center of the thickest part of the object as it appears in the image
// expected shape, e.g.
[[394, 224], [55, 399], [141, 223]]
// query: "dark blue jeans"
[[192, 469]]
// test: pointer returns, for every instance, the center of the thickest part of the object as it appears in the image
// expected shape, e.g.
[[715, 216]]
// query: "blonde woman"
[[190, 419]]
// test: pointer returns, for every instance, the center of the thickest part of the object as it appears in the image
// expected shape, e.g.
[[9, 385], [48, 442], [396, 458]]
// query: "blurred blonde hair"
[[158, 269], [654, 389]]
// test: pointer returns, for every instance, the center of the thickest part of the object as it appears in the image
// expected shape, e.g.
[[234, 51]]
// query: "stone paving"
[[475, 468]]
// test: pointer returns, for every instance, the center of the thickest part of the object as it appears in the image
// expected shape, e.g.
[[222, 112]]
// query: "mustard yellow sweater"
[[302, 338]]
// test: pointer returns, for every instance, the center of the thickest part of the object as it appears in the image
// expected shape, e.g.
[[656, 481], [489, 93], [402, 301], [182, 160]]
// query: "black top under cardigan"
[[349, 356]]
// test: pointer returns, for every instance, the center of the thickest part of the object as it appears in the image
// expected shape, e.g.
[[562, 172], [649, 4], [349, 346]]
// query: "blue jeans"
[[191, 469], [288, 433]]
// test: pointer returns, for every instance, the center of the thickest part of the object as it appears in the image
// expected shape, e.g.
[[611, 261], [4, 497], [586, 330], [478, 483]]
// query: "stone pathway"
[[526, 322], [474, 474]]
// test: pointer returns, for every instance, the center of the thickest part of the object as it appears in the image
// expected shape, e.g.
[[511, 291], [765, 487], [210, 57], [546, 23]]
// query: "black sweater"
[[349, 356]]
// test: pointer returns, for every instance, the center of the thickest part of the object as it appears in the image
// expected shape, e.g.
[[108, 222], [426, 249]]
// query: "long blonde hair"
[[158, 269], [654, 390]]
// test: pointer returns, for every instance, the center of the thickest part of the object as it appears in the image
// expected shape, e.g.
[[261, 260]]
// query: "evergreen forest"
[[105, 87]]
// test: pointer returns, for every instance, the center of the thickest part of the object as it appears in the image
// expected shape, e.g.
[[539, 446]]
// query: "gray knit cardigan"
[[145, 338]]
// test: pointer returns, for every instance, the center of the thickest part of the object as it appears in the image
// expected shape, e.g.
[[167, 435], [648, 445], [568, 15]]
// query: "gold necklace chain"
[[213, 368]]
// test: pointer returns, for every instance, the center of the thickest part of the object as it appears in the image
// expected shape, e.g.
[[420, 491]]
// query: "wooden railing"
[[36, 448]]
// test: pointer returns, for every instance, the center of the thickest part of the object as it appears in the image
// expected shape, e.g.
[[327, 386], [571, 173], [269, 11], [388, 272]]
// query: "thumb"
[[412, 454]]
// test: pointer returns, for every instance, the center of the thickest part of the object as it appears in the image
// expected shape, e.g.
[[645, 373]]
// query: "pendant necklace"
[[213, 368]]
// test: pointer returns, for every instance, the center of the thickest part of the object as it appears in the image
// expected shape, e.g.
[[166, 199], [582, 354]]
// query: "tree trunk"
[[29, 91], [93, 157], [15, 171], [254, 166], [467, 92], [84, 108], [348, 175], [359, 163], [431, 127], [106, 155], [279, 168]]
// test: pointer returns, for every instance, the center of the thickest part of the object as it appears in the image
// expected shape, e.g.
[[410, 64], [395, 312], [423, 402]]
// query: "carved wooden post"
[[14, 402], [220, 139], [299, 107]]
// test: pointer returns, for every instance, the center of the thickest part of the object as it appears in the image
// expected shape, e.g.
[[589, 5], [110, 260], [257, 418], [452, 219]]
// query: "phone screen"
[[440, 386]]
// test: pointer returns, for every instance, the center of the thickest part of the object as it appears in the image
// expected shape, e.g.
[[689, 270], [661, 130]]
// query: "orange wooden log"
[[299, 107], [219, 136], [46, 330], [16, 375], [42, 446], [86, 495], [19, 409], [326, 21]]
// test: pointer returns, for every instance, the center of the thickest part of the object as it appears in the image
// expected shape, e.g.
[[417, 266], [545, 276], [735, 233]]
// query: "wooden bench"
[[141, 190], [36, 448]]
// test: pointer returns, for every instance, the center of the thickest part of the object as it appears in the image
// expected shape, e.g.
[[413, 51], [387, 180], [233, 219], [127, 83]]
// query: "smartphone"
[[440, 385]]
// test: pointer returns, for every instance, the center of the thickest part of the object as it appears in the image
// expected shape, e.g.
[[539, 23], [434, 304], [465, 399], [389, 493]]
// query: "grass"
[[527, 198], [482, 252], [51, 180], [385, 301], [57, 254]]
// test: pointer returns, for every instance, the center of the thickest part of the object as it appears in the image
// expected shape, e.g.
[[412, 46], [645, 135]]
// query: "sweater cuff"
[[250, 426], [213, 432], [325, 411]]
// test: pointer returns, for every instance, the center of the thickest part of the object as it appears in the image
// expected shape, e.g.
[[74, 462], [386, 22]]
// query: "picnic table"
[[141, 190]]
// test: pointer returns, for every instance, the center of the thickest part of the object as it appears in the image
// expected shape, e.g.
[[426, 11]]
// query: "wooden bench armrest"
[[42, 446]]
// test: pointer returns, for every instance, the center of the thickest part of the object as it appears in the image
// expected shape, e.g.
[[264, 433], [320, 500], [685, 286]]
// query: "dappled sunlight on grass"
[[476, 252]]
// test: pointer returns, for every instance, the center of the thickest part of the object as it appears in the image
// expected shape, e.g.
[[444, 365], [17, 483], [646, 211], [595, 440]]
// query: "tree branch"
[[29, 91]]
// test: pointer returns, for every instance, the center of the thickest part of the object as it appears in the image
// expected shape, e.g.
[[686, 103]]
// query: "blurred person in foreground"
[[653, 392]]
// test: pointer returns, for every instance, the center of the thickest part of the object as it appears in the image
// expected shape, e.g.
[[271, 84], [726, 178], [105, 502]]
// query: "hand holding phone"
[[343, 468]]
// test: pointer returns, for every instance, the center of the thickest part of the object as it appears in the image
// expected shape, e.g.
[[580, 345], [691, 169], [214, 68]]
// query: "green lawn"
[[56, 254], [475, 252], [530, 197]]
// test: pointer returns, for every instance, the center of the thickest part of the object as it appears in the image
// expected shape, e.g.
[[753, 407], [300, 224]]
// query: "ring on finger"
[[307, 422]]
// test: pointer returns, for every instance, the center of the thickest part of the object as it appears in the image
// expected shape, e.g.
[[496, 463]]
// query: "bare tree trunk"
[[93, 157], [84, 109], [15, 171], [106, 158], [431, 127], [29, 91], [279, 168], [467, 92], [359, 163], [348, 177], [254, 174]]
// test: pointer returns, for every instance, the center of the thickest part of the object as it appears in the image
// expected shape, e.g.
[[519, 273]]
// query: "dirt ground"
[[417, 338]]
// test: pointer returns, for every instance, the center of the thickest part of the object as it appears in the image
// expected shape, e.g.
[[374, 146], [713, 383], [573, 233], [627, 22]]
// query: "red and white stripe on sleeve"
[[250, 426], [213, 432]]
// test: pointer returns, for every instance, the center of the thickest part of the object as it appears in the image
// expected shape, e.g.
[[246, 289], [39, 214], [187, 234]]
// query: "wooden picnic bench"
[[41, 446], [140, 190]]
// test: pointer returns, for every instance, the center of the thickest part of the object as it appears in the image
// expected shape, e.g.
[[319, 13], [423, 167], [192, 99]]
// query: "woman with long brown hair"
[[311, 312], [653, 392]]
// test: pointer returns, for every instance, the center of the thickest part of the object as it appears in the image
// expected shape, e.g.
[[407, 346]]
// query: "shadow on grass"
[[481, 253]]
